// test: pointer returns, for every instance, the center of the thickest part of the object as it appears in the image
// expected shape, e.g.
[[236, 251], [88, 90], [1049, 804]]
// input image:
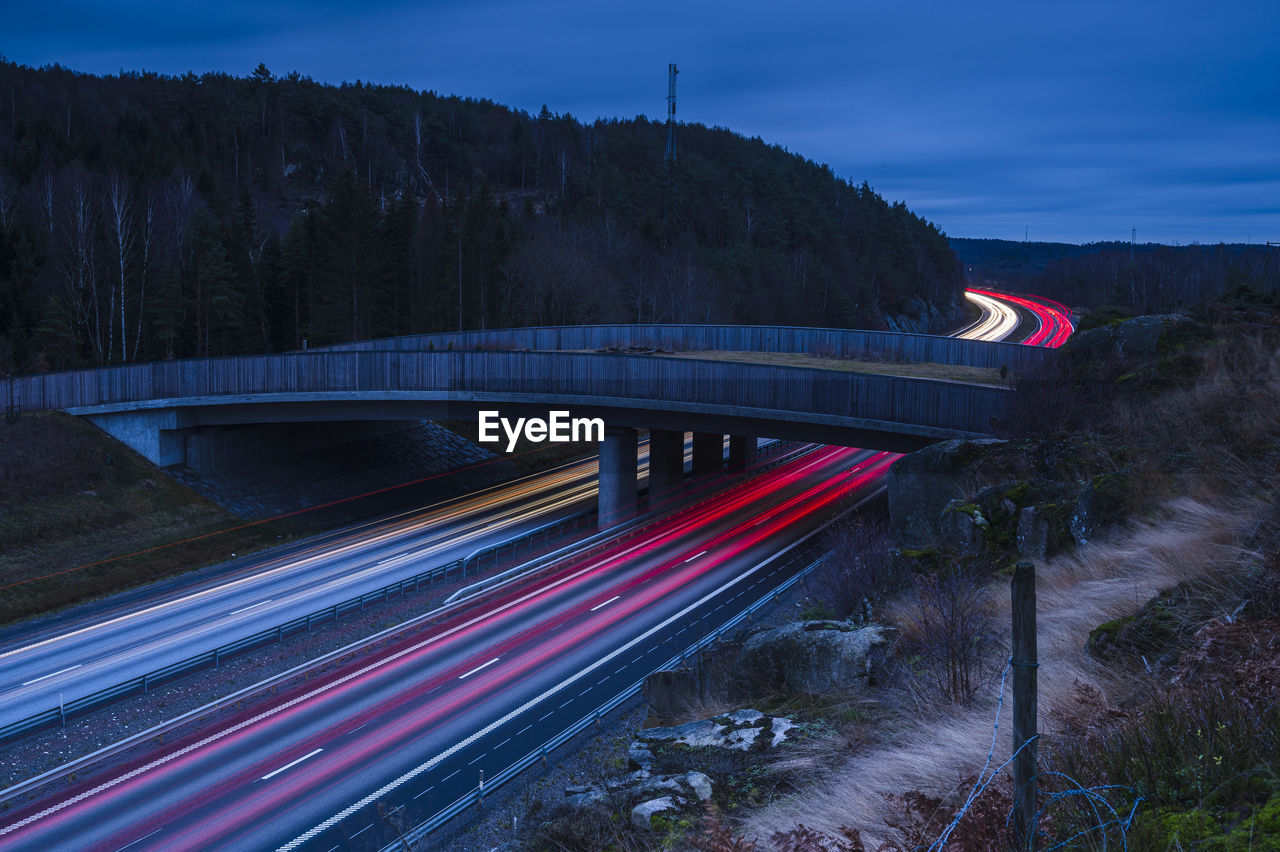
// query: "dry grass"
[[918, 370], [74, 497], [941, 744]]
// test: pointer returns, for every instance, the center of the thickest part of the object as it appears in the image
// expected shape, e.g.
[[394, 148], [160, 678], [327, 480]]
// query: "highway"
[[470, 693], [412, 726], [121, 640], [998, 319]]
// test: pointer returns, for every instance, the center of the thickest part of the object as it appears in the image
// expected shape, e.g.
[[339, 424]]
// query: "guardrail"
[[832, 342], [798, 395], [471, 563], [478, 560], [474, 797]]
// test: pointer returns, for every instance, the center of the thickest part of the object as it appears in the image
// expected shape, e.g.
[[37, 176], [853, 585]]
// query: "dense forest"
[[145, 216], [1144, 277]]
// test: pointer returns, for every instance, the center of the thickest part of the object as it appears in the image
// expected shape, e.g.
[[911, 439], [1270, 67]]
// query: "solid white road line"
[[254, 606], [52, 674], [290, 765], [606, 603], [691, 558], [136, 842], [478, 668]]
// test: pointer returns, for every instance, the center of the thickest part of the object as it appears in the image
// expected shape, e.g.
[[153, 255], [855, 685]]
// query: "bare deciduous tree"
[[858, 571], [952, 633], [119, 201]]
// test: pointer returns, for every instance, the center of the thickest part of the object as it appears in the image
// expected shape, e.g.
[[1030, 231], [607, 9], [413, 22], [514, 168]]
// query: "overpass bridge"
[[203, 412]]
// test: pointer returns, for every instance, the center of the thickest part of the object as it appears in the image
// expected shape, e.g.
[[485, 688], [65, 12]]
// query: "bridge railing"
[[832, 342], [592, 377]]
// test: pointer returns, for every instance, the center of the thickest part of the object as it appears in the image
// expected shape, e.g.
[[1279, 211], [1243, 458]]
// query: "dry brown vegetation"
[[1198, 433]]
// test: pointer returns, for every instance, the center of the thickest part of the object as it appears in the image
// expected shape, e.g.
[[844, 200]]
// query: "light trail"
[[424, 705], [998, 319]]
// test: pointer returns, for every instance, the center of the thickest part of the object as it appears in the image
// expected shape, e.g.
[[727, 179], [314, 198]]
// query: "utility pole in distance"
[[1025, 738], [669, 161]]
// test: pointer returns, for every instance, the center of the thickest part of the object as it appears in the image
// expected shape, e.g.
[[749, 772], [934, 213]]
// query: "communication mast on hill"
[[669, 207], [672, 71]]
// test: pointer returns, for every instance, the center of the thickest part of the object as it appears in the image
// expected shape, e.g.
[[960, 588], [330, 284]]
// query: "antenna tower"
[[669, 206]]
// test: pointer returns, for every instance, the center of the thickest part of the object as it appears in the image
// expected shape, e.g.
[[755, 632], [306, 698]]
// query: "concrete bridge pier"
[[666, 465], [742, 449], [618, 463], [708, 452]]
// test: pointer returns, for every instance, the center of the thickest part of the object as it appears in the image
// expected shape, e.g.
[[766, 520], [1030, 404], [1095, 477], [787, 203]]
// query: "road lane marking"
[[136, 842], [424, 792], [54, 674], [478, 668], [450, 775], [255, 606], [479, 757], [606, 603], [691, 558], [362, 831], [290, 765], [522, 730], [504, 742], [531, 703], [543, 718]]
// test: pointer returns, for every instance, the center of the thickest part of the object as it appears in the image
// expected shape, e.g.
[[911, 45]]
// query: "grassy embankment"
[[1159, 645], [82, 516]]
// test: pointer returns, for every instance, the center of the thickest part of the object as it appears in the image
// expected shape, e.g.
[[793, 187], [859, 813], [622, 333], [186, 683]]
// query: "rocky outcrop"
[[671, 694], [1135, 339], [1100, 505], [808, 657], [921, 484], [642, 814], [740, 730]]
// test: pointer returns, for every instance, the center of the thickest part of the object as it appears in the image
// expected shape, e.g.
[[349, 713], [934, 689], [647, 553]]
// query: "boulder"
[[738, 731], [700, 784], [1033, 534], [1100, 505], [963, 528], [921, 484], [1134, 339], [642, 814], [809, 657], [671, 693]]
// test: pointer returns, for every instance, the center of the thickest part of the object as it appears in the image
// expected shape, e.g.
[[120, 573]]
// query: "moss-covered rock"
[[1101, 504]]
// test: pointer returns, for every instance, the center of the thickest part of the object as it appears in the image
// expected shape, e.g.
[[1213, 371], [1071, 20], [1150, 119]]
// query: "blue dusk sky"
[[1072, 121]]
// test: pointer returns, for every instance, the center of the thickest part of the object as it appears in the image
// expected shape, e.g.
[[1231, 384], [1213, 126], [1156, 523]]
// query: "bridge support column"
[[666, 465], [618, 463], [742, 449], [708, 452]]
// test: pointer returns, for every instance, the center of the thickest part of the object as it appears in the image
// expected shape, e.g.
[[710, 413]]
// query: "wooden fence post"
[[1025, 741]]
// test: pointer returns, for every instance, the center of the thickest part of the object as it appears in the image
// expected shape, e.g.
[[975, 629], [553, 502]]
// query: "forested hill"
[[144, 216], [1142, 278]]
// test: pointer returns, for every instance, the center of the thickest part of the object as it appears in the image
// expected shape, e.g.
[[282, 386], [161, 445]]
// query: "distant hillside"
[[1015, 264], [1145, 278], [144, 216]]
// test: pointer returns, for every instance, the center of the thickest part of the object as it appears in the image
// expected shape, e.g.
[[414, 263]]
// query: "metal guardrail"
[[478, 560], [473, 562], [474, 797]]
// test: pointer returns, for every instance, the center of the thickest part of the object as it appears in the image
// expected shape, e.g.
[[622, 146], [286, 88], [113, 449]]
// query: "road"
[[1053, 319], [997, 321], [473, 692], [121, 640], [413, 727]]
